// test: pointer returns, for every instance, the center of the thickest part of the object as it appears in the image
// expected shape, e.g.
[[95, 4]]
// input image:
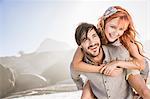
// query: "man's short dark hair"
[[82, 30]]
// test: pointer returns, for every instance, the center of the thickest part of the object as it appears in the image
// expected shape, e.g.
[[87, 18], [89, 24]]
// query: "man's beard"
[[91, 55]]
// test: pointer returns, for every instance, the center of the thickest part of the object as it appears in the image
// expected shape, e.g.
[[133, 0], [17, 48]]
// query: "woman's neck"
[[115, 43]]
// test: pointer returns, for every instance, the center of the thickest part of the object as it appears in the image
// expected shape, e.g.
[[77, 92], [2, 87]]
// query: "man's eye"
[[94, 35], [84, 39]]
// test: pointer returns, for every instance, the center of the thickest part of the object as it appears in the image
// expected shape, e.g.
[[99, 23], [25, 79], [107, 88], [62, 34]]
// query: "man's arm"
[[75, 75]]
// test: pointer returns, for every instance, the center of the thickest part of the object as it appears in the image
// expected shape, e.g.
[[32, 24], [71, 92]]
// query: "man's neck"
[[98, 59]]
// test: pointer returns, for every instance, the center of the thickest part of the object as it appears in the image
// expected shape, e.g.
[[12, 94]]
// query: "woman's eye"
[[112, 27], [121, 29]]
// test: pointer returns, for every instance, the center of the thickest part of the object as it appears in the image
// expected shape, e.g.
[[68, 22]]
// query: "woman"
[[116, 26]]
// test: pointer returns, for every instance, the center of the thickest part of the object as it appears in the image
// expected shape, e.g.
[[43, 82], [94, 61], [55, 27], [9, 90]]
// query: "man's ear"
[[80, 46]]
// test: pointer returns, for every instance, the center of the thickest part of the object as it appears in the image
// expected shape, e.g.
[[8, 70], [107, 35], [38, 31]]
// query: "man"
[[102, 86]]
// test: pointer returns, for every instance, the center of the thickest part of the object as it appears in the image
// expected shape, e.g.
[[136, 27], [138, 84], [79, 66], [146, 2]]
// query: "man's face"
[[91, 44]]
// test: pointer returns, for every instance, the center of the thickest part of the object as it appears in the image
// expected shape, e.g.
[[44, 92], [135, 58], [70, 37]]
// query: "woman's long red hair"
[[129, 34]]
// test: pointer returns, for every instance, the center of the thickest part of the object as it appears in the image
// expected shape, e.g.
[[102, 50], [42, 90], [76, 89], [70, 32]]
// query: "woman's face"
[[115, 28]]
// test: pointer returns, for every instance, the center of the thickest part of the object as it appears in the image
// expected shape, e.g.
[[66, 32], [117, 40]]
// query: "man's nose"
[[91, 42]]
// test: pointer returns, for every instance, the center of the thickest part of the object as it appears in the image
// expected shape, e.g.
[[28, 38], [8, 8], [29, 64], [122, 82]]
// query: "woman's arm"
[[136, 63], [79, 65], [138, 60], [132, 64], [110, 67]]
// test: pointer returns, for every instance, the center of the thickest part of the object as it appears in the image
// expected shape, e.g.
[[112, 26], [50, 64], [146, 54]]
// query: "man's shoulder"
[[105, 49]]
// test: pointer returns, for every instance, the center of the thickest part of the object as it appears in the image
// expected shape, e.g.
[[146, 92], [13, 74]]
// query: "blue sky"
[[24, 24]]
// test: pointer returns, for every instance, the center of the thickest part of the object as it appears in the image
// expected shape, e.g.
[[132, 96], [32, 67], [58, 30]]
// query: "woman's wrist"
[[100, 69], [118, 64]]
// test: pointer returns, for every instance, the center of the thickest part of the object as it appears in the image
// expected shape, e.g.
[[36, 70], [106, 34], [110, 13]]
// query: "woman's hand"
[[110, 68]]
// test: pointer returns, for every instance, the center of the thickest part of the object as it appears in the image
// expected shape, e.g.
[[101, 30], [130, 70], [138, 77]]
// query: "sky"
[[24, 24]]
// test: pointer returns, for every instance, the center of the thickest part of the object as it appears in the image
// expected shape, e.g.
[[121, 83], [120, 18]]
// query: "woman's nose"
[[115, 33]]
